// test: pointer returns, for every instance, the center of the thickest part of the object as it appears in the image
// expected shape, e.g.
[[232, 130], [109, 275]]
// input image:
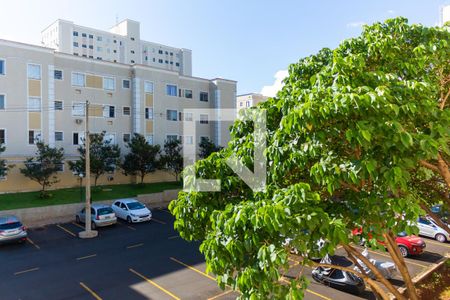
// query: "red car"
[[408, 244]]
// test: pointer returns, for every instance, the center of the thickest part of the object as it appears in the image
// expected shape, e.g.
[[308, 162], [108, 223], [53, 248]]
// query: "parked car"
[[12, 230], [131, 210], [407, 244], [439, 210], [427, 227], [101, 215], [338, 279]]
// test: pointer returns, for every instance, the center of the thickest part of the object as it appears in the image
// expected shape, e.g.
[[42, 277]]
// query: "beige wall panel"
[[34, 120], [34, 88], [93, 81], [149, 127], [148, 100], [96, 110]]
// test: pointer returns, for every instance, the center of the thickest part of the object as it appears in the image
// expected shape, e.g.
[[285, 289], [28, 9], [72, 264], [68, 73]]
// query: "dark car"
[[12, 230]]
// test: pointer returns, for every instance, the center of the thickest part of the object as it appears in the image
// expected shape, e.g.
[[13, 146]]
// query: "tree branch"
[[349, 186], [428, 165]]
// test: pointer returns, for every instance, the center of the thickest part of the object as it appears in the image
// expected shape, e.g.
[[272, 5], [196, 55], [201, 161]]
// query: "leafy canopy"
[[172, 159], [345, 137]]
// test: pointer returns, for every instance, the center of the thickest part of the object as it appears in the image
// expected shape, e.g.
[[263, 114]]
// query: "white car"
[[427, 227], [131, 210]]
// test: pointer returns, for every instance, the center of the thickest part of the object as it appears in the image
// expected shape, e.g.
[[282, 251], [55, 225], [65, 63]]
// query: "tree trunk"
[[375, 271], [443, 169], [142, 177], [400, 262]]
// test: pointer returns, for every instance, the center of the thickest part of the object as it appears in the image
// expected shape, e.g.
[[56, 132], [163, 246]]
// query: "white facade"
[[121, 44], [445, 14]]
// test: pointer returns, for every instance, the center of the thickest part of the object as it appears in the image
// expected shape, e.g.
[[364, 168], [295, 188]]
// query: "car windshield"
[[135, 205], [105, 211], [7, 226], [402, 234]]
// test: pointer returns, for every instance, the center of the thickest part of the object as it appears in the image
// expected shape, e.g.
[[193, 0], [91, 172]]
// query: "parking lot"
[[139, 261]]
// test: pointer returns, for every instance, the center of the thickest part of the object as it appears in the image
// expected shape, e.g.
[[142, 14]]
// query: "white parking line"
[[26, 271]]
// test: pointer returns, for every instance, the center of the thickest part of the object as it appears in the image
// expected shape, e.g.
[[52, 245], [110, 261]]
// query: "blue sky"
[[247, 40]]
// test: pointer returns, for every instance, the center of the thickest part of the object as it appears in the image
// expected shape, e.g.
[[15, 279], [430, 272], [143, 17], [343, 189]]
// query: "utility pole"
[[87, 233]]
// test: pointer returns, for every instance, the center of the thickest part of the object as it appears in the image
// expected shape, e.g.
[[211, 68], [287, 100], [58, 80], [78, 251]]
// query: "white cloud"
[[271, 90], [356, 24]]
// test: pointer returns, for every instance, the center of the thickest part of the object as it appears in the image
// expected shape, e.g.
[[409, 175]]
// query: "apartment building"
[[120, 44], [248, 100], [43, 94]]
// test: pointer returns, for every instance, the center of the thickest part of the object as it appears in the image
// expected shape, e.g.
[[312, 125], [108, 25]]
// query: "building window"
[[204, 139], [34, 136], [204, 96], [247, 103], [115, 41], [160, 61], [78, 109], [109, 111], [90, 56], [99, 58], [149, 113], [188, 94], [59, 136], [125, 84], [99, 38], [149, 139], [99, 49], [34, 104], [172, 115], [83, 34], [2, 102], [126, 137], [75, 44], [91, 36], [188, 117], [126, 111], [75, 33], [58, 74], [83, 46], [34, 71], [177, 64], [132, 51], [76, 54], [114, 51], [60, 167], [58, 105], [203, 119], [77, 138], [241, 104], [91, 47], [78, 79], [84, 55], [167, 61], [171, 53], [160, 51], [148, 87], [108, 83], [2, 136], [2, 67], [171, 90], [172, 137], [132, 61]]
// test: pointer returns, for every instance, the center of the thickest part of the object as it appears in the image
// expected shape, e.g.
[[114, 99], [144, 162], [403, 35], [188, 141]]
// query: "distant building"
[[121, 44], [249, 100]]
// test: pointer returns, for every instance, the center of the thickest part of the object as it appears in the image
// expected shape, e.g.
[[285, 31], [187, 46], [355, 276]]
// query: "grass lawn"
[[73, 195]]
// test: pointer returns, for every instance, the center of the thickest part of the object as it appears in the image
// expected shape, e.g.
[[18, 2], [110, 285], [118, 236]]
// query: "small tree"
[[142, 158], [3, 166], [43, 167], [104, 157], [207, 147], [172, 160]]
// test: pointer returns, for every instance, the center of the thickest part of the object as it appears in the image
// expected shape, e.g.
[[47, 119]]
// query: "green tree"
[[347, 139], [104, 157], [207, 147], [172, 159], [43, 167], [3, 166], [142, 158]]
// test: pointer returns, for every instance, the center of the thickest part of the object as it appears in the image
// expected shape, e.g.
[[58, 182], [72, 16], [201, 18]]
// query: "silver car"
[[427, 227], [101, 215], [12, 230]]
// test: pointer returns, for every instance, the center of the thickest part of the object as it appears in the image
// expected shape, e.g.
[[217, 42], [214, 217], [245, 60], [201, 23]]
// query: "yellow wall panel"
[[96, 110], [34, 88], [93, 81], [34, 120], [148, 100], [149, 127]]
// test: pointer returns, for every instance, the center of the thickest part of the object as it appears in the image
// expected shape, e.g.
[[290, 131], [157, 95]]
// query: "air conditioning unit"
[[78, 121]]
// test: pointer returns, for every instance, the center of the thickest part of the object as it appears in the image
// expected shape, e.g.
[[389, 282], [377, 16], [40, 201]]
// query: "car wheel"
[[77, 219], [440, 238], [129, 220], [403, 250], [93, 225]]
